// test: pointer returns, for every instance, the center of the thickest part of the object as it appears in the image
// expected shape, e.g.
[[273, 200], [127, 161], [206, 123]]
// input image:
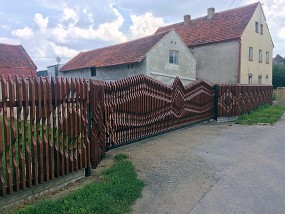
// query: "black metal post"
[[88, 169], [216, 98]]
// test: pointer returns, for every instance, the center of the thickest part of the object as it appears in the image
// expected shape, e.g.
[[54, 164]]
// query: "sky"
[[63, 28]]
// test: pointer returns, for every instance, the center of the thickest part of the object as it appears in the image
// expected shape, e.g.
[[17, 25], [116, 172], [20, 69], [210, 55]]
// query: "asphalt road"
[[212, 168]]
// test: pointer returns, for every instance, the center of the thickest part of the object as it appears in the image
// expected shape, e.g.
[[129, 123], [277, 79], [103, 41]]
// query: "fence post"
[[88, 169], [216, 98]]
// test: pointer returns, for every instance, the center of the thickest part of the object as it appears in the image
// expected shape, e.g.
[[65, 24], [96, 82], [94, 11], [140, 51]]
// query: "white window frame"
[[256, 27], [260, 56], [267, 57], [250, 53], [173, 57], [259, 79], [250, 79]]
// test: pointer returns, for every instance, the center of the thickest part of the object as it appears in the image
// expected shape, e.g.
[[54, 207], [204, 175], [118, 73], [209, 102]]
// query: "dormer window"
[[256, 27]]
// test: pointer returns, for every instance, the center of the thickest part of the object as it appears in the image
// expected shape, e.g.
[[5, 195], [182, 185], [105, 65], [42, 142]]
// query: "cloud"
[[9, 41], [41, 22], [144, 25], [71, 15], [5, 27], [281, 33], [109, 31], [24, 33], [63, 50]]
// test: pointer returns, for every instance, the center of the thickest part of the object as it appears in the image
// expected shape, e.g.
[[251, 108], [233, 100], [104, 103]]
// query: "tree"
[[278, 76]]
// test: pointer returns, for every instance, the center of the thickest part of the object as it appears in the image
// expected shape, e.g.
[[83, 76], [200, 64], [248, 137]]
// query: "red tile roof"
[[14, 60], [128, 52], [226, 25]]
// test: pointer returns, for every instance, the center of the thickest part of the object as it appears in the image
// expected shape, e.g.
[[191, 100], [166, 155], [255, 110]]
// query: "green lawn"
[[116, 192], [266, 114]]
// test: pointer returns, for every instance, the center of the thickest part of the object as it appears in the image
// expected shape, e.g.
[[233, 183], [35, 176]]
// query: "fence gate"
[[139, 106]]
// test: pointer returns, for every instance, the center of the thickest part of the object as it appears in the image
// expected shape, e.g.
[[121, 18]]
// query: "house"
[[42, 73], [162, 56], [52, 71], [233, 46], [14, 60], [279, 60]]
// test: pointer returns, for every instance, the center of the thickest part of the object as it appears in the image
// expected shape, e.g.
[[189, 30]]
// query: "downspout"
[[239, 60]]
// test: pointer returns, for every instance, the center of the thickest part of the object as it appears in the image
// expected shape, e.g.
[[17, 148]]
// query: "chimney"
[[211, 13], [187, 19]]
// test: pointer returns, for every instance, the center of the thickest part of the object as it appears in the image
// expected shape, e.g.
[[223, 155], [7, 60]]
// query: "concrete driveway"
[[212, 168]]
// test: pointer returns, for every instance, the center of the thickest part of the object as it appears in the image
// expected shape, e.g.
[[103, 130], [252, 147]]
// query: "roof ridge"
[[202, 17], [123, 43]]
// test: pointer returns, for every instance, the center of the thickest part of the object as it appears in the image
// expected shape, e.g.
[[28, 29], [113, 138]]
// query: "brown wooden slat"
[[79, 112], [32, 96], [60, 124], [22, 167], [70, 130], [2, 181], [28, 154], [55, 118], [9, 181], [15, 165], [65, 126], [49, 129], [40, 152]]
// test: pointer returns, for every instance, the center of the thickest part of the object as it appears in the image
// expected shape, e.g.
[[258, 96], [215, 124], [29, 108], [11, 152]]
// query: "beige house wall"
[[257, 41], [157, 60]]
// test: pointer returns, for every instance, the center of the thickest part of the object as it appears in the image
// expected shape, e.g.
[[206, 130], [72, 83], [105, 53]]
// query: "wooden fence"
[[236, 99], [140, 106], [50, 128], [44, 124]]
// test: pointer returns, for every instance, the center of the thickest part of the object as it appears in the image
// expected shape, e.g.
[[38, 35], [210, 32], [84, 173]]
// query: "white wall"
[[158, 65]]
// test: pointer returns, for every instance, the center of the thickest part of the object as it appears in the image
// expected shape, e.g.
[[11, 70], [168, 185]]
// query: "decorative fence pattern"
[[50, 128], [140, 106], [234, 100], [45, 135]]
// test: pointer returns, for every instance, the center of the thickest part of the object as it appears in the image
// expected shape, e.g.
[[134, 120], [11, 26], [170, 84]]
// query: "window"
[[256, 27], [56, 71], [130, 66], [93, 71], [250, 53], [250, 79], [267, 80], [259, 79], [261, 29], [267, 57], [173, 57], [260, 56]]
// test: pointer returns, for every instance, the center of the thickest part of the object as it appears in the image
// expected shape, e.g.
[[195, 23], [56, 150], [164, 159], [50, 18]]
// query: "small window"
[[260, 56], [173, 57], [261, 29], [130, 66], [56, 71], [250, 79], [250, 53], [267, 57], [259, 79], [93, 71], [256, 27], [266, 79]]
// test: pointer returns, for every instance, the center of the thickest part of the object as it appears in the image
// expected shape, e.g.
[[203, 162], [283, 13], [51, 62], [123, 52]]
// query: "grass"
[[266, 114], [116, 192]]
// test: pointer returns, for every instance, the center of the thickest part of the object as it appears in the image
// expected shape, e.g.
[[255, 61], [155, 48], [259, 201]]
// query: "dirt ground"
[[212, 168], [203, 169]]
